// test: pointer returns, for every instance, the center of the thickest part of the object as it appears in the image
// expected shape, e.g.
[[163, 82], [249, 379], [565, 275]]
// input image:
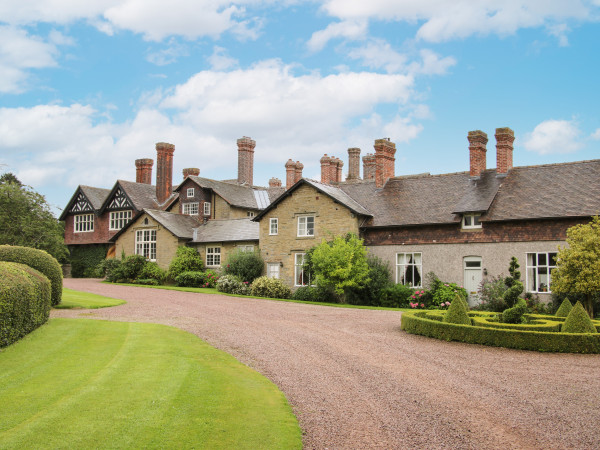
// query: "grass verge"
[[76, 299], [76, 383]]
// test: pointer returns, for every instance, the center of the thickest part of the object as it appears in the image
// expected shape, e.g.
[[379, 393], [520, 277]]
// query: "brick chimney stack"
[[191, 171], [164, 171], [369, 166], [353, 163], [325, 163], [274, 182], [298, 171], [143, 170], [384, 161], [290, 173], [246, 160], [504, 150], [477, 141], [339, 173]]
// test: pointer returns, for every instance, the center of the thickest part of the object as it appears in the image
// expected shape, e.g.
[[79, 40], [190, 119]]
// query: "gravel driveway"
[[356, 381]]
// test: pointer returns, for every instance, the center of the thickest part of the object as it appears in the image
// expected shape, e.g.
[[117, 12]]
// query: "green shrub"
[[25, 299], [372, 292], [457, 312], [396, 296], [186, 259], [112, 269], [152, 271], [147, 281], [206, 279], [578, 321], [230, 284], [247, 266], [515, 314], [132, 266], [312, 294], [564, 309], [442, 292], [39, 260], [491, 295], [270, 288], [85, 260]]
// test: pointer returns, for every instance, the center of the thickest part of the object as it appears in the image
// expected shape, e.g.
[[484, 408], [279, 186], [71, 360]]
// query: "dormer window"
[[190, 192], [471, 221]]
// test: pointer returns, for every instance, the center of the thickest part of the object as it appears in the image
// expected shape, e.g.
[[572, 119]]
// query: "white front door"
[[473, 274]]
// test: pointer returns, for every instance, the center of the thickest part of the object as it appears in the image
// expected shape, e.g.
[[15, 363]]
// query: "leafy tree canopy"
[[578, 265], [26, 219]]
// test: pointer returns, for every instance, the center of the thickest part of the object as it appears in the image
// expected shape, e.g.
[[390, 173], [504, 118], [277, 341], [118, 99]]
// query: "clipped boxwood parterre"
[[24, 301], [519, 336], [39, 260]]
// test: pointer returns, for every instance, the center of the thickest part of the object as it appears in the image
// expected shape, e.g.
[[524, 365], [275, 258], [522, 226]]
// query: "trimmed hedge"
[[417, 322], [25, 297], [39, 260], [578, 321], [564, 309]]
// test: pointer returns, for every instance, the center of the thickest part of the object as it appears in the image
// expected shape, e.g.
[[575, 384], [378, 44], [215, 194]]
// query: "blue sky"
[[88, 87]]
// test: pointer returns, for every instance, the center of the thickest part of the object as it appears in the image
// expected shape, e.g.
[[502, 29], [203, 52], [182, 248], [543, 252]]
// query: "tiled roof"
[[234, 194], [340, 196], [180, 225], [227, 231], [95, 195], [142, 195], [479, 193]]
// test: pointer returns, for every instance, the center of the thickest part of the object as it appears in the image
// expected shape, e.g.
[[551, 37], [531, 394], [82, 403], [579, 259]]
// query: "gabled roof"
[[479, 193], [236, 195], [334, 192], [94, 196], [227, 231], [141, 195], [181, 226]]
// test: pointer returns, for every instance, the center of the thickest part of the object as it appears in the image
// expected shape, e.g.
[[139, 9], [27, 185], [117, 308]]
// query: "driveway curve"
[[355, 380]]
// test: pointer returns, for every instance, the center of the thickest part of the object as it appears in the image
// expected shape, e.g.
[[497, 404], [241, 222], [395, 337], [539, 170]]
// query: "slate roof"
[[479, 193], [227, 231], [96, 197], [234, 194], [179, 224]]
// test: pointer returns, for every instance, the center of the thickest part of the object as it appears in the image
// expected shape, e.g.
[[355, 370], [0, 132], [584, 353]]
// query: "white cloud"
[[168, 55], [351, 29], [596, 134], [378, 54], [554, 136], [444, 20], [20, 52], [219, 60], [560, 32], [432, 64]]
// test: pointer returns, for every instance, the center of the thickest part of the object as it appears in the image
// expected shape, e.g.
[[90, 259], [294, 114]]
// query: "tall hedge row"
[[25, 297], [39, 260]]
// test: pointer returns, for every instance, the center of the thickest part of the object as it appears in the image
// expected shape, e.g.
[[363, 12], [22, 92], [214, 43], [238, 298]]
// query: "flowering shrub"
[[417, 305], [230, 284], [206, 279], [270, 288], [445, 292]]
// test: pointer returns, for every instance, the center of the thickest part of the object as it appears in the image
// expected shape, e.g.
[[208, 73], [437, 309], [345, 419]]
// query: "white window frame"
[[213, 256], [145, 243], [118, 219], [83, 223], [245, 248], [190, 208], [207, 208], [471, 221], [273, 226], [273, 270], [416, 261], [534, 271], [190, 192], [306, 226], [250, 214], [300, 278]]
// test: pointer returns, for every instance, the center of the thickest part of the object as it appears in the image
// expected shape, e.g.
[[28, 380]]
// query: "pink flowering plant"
[[443, 293]]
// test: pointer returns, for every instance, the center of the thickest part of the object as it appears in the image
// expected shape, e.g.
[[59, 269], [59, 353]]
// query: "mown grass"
[[76, 299], [77, 383]]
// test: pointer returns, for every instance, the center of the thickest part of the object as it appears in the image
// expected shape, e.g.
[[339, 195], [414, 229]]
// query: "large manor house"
[[462, 226]]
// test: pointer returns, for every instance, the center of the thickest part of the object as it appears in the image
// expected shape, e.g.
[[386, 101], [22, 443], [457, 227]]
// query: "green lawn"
[[77, 299], [76, 383]]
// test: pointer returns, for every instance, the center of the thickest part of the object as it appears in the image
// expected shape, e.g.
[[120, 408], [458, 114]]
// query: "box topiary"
[[39, 260], [457, 312], [25, 297], [578, 321], [564, 309], [515, 314]]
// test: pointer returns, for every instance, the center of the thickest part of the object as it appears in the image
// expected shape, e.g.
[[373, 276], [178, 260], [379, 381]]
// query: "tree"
[[578, 265], [340, 265], [26, 219]]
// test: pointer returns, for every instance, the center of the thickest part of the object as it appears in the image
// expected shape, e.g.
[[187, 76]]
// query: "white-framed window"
[[409, 267], [245, 248], [273, 270], [471, 221], [306, 226], [84, 223], [207, 208], [539, 271], [213, 256], [191, 209], [273, 226], [145, 244], [190, 192], [118, 219], [301, 278], [250, 214]]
